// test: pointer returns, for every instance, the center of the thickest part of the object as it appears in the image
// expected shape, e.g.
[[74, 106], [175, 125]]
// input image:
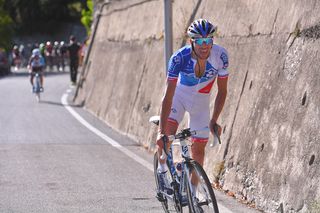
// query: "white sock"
[[162, 167]]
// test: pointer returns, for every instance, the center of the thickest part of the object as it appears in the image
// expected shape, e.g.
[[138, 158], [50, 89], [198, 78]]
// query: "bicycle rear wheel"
[[168, 204], [201, 196]]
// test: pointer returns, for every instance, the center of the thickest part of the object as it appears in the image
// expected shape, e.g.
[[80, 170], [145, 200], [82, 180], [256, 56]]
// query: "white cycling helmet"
[[201, 28], [36, 52]]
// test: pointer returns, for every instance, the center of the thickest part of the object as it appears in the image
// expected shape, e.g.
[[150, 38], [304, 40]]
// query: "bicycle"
[[200, 197], [37, 87]]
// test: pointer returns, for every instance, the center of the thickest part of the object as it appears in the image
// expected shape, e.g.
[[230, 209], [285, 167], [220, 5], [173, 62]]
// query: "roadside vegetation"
[[21, 17]]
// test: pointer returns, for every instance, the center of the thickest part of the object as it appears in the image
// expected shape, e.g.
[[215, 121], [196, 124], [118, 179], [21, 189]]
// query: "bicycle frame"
[[186, 158], [37, 81], [183, 184], [36, 89]]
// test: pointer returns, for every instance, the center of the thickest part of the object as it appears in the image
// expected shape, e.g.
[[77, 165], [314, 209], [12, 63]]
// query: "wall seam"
[[235, 116], [137, 94]]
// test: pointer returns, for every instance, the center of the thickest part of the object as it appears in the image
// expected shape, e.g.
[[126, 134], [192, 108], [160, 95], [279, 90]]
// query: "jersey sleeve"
[[174, 67], [223, 71]]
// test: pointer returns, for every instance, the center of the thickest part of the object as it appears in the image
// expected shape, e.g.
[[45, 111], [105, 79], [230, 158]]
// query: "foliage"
[[5, 28], [41, 15], [87, 16]]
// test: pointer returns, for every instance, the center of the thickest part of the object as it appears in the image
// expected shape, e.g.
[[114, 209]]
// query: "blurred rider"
[[63, 54], [16, 58], [36, 65], [42, 48], [49, 54], [56, 55]]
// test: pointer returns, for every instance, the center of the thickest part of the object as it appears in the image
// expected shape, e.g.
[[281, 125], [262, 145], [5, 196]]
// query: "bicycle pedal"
[[175, 185], [160, 197]]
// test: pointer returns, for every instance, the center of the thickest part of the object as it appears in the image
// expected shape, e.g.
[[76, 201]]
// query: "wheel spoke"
[[201, 196]]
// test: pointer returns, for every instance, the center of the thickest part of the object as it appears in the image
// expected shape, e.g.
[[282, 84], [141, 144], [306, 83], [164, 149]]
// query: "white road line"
[[104, 136], [115, 144]]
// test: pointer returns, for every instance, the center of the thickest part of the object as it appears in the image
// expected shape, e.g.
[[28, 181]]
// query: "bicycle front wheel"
[[200, 193], [38, 96]]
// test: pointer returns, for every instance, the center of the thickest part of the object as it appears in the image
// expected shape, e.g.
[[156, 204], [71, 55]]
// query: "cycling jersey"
[[192, 94], [36, 63]]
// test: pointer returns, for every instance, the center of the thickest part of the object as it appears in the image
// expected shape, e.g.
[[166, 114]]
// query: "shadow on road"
[[59, 104]]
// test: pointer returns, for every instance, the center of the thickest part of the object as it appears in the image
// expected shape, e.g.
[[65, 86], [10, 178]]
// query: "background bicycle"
[[37, 86]]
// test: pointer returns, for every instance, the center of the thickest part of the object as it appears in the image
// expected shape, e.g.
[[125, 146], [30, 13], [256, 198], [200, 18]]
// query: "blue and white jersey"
[[182, 65], [37, 62]]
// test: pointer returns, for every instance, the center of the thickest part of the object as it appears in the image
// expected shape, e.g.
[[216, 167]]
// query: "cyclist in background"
[[36, 64], [63, 53], [22, 51], [16, 57], [49, 54], [42, 48], [56, 55], [191, 73]]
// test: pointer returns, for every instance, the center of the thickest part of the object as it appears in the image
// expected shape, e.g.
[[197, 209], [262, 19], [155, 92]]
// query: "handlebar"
[[184, 134], [181, 136]]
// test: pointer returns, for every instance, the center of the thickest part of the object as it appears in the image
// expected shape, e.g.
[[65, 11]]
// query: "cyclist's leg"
[[199, 120], [41, 78], [198, 149], [31, 78], [175, 117]]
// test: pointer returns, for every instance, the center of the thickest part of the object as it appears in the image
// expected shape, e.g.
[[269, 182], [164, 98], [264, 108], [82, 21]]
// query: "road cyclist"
[[179, 190], [192, 71], [36, 66]]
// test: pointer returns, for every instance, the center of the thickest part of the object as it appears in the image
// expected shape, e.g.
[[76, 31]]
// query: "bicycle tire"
[[203, 199], [37, 88], [38, 96], [167, 205]]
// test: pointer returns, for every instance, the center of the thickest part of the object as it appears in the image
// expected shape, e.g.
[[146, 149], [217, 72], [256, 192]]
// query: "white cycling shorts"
[[199, 113]]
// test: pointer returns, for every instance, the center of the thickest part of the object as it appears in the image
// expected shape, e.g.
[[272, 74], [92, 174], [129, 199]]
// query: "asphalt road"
[[59, 158]]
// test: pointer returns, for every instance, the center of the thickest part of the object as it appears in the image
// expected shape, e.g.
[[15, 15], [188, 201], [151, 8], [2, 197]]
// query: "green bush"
[[5, 28], [87, 16]]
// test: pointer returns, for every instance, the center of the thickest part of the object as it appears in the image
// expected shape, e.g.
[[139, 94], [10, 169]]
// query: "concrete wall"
[[271, 140]]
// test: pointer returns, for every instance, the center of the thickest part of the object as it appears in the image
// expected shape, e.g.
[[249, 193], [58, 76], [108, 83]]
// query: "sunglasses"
[[200, 41]]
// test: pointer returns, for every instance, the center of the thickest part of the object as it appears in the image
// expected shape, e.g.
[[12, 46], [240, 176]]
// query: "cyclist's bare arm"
[[166, 107], [219, 102]]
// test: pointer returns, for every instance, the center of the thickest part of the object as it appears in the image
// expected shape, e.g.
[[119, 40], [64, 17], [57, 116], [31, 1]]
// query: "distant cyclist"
[[36, 65], [56, 55], [42, 48], [16, 57], [48, 51], [191, 73], [63, 53]]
